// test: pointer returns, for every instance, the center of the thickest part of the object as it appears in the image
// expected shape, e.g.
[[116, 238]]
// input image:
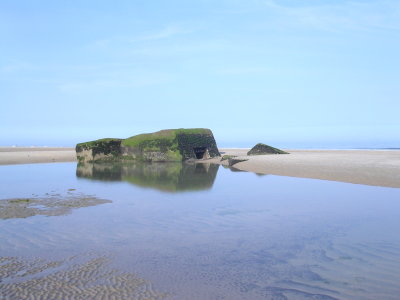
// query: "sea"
[[193, 231]]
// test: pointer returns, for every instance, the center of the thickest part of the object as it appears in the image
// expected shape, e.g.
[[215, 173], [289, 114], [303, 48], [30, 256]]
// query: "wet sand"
[[48, 205], [85, 276], [30, 155], [370, 167]]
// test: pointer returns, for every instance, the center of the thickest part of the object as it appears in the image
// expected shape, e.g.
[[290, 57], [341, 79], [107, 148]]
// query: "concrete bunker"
[[165, 145]]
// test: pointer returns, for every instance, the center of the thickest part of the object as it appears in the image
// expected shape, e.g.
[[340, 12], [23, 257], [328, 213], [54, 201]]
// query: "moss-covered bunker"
[[164, 145]]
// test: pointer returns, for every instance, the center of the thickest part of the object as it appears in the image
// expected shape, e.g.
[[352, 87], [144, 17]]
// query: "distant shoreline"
[[378, 167]]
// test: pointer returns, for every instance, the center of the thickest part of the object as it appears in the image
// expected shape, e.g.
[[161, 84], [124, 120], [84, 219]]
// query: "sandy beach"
[[370, 167], [30, 155]]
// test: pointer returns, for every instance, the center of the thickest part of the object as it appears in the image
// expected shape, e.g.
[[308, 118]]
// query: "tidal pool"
[[176, 231]]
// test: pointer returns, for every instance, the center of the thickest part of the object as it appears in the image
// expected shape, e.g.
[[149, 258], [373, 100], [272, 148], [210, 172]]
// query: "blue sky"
[[287, 73]]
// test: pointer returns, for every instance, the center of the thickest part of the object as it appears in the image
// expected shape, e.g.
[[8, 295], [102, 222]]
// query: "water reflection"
[[170, 177]]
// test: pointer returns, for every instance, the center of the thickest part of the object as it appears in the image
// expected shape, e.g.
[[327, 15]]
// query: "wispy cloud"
[[17, 66], [242, 70], [343, 15], [179, 49], [112, 81], [167, 32], [72, 78]]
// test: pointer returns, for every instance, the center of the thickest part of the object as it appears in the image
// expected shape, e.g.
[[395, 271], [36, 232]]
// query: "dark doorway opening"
[[199, 152]]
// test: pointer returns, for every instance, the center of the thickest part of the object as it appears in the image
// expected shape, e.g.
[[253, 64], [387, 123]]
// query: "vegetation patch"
[[20, 200], [96, 143]]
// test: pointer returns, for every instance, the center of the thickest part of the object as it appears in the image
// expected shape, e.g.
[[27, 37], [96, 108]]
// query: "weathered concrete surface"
[[164, 145]]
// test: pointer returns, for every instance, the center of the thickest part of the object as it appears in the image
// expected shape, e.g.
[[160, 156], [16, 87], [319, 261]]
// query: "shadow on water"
[[169, 177]]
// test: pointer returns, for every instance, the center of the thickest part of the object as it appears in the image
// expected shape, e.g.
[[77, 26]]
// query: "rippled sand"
[[70, 279]]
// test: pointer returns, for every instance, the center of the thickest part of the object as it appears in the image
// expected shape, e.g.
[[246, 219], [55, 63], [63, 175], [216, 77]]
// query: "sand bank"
[[29, 155], [370, 167]]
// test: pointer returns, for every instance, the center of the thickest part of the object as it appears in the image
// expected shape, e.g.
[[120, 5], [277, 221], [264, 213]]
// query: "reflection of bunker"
[[172, 177]]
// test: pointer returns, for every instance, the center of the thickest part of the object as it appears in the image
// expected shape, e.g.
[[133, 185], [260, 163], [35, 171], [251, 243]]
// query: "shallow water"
[[174, 231]]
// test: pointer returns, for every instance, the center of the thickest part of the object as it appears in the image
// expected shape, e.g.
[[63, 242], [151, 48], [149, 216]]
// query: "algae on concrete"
[[261, 149]]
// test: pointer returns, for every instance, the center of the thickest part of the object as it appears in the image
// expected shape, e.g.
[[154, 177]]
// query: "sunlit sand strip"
[[370, 167], [29, 155]]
